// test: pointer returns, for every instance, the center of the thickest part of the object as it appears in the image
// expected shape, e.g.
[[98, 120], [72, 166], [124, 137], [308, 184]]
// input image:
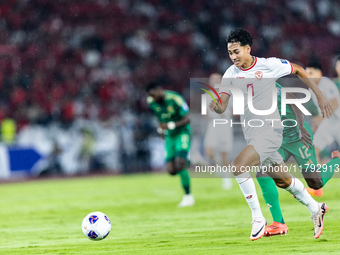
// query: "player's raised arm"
[[325, 107]]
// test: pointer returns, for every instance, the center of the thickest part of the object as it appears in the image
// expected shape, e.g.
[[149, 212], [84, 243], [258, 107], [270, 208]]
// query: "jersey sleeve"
[[279, 67], [183, 107], [150, 102], [278, 88], [226, 80]]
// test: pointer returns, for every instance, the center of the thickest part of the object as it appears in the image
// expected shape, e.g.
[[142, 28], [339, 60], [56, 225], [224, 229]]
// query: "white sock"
[[248, 188], [299, 192]]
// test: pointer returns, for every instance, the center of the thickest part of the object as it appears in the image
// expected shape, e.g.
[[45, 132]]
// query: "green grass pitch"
[[44, 217]]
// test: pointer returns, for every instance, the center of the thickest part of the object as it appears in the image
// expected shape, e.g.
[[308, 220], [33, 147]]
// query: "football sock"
[[271, 197], [185, 180], [248, 188], [329, 171], [299, 192]]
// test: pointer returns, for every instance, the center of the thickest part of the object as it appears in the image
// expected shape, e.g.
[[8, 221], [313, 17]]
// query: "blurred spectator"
[[65, 61]]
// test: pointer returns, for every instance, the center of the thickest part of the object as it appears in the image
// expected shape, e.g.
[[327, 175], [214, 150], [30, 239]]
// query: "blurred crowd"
[[74, 71]]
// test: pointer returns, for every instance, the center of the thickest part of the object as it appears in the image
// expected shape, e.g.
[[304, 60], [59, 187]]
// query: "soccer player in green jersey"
[[297, 142], [173, 115]]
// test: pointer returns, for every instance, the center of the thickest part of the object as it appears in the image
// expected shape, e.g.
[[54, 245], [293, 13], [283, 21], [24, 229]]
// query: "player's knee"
[[260, 174], [237, 166], [171, 169], [180, 165], [282, 183], [314, 183]]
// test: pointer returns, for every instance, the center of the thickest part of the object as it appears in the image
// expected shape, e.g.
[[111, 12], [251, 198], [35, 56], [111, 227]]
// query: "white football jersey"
[[330, 91], [259, 79]]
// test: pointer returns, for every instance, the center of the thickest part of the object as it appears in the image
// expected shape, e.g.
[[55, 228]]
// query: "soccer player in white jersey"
[[218, 140], [326, 131], [263, 143]]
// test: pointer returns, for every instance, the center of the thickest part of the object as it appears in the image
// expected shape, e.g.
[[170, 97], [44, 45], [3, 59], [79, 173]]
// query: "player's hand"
[[216, 107], [325, 107], [305, 137], [163, 126]]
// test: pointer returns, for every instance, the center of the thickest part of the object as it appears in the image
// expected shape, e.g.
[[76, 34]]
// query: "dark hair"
[[151, 86], [240, 35], [315, 64]]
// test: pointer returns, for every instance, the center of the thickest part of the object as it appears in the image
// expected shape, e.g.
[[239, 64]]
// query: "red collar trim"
[[255, 58]]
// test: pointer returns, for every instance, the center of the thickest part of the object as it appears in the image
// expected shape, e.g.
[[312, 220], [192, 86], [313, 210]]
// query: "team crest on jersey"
[[278, 91], [170, 109], [258, 75]]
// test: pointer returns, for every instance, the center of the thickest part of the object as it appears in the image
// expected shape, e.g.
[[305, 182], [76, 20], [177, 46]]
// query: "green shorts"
[[305, 157], [177, 146]]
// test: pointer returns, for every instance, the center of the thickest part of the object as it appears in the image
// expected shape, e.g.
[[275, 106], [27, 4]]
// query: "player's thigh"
[[306, 159], [279, 173], [170, 148], [182, 144], [285, 154], [267, 146], [182, 148], [246, 159]]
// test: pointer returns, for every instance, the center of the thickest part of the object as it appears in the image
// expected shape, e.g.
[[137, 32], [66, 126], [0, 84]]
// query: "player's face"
[[239, 54], [313, 73], [157, 94], [337, 67]]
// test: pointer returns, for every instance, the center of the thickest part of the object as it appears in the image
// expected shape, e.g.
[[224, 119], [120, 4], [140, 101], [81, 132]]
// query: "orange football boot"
[[276, 228], [315, 192]]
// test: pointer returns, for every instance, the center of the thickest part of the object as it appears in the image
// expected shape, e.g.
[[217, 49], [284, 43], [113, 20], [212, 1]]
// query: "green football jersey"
[[290, 134], [174, 108]]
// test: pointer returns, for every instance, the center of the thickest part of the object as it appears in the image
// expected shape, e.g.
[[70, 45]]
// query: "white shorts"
[[220, 138], [267, 145], [327, 133]]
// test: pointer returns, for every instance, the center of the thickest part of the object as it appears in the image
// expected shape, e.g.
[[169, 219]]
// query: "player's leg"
[[295, 187], [209, 145], [307, 162], [225, 138], [334, 163], [271, 197], [248, 157], [226, 180], [307, 158], [181, 163], [269, 191], [210, 154], [175, 164]]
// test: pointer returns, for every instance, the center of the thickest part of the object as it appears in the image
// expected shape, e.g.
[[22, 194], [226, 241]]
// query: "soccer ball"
[[96, 226]]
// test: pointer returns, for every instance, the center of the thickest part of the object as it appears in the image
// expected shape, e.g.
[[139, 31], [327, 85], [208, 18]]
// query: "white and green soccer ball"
[[96, 226]]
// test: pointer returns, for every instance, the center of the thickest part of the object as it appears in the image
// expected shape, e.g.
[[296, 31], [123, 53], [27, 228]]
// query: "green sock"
[[271, 197], [185, 180], [329, 171]]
